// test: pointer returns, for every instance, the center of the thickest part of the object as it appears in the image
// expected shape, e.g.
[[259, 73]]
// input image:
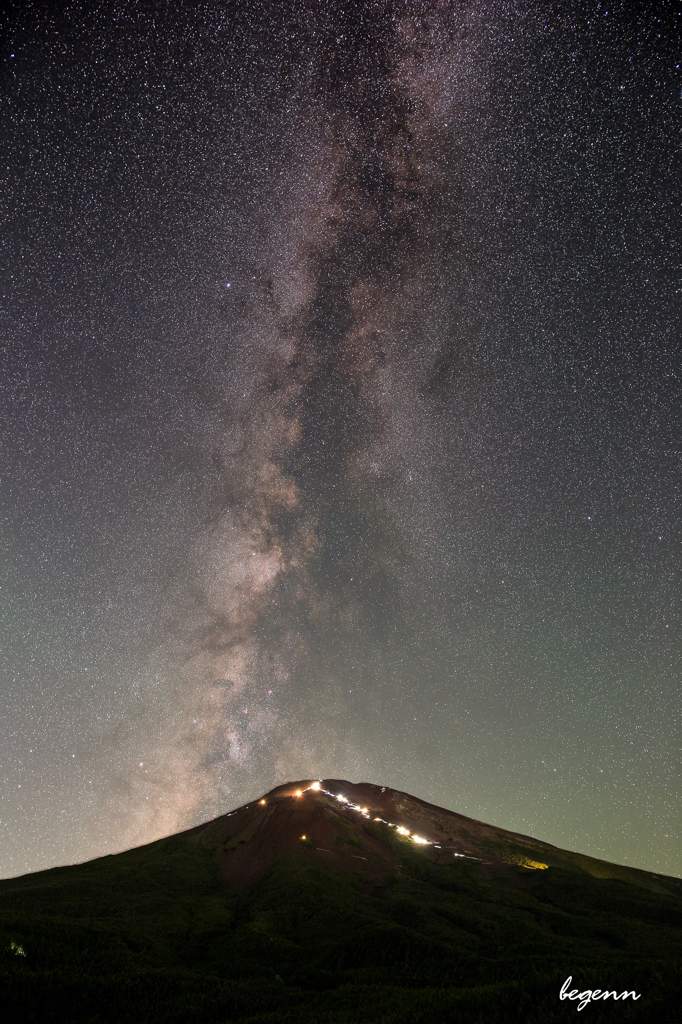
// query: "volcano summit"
[[325, 900], [364, 828]]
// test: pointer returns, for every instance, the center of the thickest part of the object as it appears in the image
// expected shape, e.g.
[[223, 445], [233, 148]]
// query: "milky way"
[[341, 390]]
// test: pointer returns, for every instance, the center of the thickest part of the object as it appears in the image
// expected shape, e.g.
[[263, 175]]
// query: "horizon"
[[317, 785]]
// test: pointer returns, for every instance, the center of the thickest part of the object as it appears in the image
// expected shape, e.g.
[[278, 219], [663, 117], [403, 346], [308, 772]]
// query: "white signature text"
[[589, 994]]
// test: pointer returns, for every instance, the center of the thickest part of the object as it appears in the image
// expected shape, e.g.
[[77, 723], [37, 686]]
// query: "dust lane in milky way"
[[341, 398]]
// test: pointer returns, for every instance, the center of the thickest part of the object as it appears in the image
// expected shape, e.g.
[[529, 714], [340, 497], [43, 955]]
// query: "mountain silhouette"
[[323, 821], [331, 901]]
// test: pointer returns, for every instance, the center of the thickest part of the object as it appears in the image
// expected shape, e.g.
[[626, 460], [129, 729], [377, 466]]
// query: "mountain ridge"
[[446, 833]]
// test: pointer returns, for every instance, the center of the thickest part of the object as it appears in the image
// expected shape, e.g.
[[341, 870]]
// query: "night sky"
[[341, 415]]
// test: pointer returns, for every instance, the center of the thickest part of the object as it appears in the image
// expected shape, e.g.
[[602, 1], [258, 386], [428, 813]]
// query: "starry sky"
[[341, 415]]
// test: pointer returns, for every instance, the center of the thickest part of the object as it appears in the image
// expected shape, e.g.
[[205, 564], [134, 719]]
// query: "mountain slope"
[[307, 908], [325, 811]]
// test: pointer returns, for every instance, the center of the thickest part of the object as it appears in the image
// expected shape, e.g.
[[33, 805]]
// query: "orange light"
[[315, 785], [262, 801], [299, 792], [302, 837]]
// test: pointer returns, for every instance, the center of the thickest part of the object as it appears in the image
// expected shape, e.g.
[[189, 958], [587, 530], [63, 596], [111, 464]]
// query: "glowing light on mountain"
[[365, 813]]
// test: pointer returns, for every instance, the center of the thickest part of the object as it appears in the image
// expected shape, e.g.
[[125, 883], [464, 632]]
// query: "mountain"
[[330, 815], [330, 901]]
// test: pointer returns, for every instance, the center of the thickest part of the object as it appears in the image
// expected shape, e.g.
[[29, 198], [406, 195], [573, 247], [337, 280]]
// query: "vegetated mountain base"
[[313, 908]]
